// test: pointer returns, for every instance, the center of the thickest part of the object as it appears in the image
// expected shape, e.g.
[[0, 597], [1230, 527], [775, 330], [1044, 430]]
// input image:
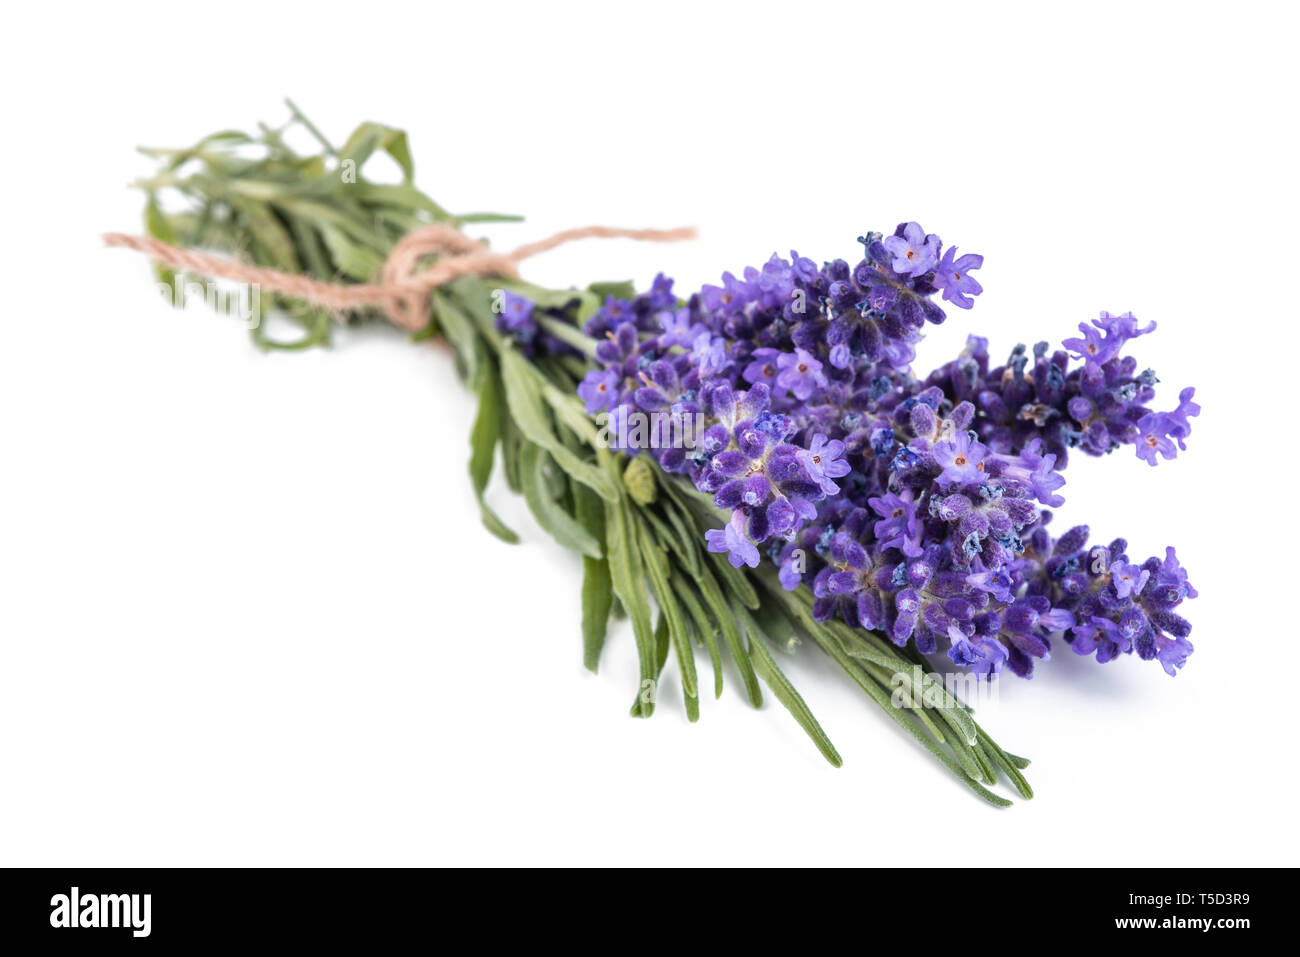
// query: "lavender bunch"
[[755, 463]]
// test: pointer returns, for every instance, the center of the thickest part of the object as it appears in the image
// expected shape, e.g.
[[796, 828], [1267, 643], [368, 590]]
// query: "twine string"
[[402, 292]]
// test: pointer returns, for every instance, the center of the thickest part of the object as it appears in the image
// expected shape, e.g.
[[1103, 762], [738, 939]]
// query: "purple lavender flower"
[[822, 462], [1119, 330], [762, 367], [1092, 346], [899, 526], [710, 353], [679, 328], [1159, 430], [731, 296], [1179, 416], [914, 252], [1038, 472], [953, 276], [661, 294], [801, 373], [516, 311], [1171, 581], [599, 389], [1102, 636], [993, 581], [980, 653], [731, 538], [804, 269], [1123, 327], [1172, 653], [961, 459], [1128, 579], [516, 320], [1155, 439]]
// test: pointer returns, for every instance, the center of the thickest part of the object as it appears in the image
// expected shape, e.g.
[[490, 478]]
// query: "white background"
[[247, 612]]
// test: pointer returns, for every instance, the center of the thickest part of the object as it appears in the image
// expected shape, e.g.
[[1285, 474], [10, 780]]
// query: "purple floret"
[[914, 253], [731, 538], [953, 276]]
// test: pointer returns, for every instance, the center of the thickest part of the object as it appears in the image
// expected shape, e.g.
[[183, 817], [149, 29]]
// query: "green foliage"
[[252, 196]]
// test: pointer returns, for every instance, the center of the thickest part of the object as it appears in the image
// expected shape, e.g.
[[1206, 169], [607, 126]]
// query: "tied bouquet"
[[745, 465]]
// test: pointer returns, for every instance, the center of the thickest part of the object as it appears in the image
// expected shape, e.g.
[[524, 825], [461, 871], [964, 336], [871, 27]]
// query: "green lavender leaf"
[[626, 579], [876, 691], [483, 441], [461, 218], [1009, 764], [511, 442], [554, 519], [352, 259], [667, 537], [735, 580], [268, 233], [301, 118], [359, 225], [477, 300], [597, 597], [459, 330], [703, 627], [657, 567], [310, 248], [1017, 760], [174, 159], [549, 299], [369, 137], [731, 635], [315, 323], [400, 196], [988, 772], [526, 407], [570, 412], [777, 627], [902, 673], [159, 227], [568, 334], [785, 693], [626, 289], [685, 538], [894, 677], [597, 590], [648, 694]]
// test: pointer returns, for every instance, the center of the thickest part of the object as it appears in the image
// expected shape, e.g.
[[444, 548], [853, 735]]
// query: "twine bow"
[[402, 292]]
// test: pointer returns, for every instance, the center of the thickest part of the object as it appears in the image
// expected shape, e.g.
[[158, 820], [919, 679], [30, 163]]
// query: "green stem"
[[570, 335], [310, 127]]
